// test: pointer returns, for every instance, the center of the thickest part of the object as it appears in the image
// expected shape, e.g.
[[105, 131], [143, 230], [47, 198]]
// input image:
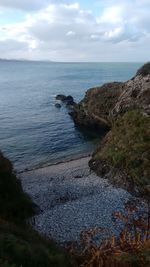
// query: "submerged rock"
[[57, 105]]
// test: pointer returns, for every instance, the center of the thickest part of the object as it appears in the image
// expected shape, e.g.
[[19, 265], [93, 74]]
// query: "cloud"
[[26, 4], [12, 45], [61, 31]]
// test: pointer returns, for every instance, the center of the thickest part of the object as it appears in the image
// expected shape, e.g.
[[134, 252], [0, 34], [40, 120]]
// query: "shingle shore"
[[72, 199]]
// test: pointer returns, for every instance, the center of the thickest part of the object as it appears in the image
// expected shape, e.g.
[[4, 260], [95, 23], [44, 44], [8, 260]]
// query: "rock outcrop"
[[124, 109], [136, 95], [94, 110], [67, 100], [101, 105]]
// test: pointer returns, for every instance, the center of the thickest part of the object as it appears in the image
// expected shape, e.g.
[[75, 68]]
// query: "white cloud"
[[64, 32], [70, 33]]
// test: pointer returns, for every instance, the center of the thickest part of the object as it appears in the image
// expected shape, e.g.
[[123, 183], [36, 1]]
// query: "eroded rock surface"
[[101, 105]]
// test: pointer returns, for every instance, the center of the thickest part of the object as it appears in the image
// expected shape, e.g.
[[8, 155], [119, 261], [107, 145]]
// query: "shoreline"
[[80, 156], [72, 199]]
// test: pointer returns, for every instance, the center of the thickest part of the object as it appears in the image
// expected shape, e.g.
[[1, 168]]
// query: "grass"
[[128, 146]]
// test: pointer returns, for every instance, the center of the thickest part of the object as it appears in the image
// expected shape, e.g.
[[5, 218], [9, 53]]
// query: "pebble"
[[71, 205]]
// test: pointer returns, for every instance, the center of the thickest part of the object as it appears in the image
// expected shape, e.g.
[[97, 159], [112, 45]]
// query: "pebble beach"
[[72, 199]]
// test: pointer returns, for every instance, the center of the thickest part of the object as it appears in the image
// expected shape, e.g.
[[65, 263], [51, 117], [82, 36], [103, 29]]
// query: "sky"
[[75, 30]]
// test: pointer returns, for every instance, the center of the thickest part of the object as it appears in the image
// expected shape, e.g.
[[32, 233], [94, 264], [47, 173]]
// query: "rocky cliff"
[[101, 105], [124, 108]]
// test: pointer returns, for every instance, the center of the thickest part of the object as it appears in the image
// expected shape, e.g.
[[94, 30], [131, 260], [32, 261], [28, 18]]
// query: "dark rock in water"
[[70, 103], [68, 100], [60, 97], [57, 105]]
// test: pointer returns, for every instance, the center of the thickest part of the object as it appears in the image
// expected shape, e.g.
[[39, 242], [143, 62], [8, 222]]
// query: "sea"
[[33, 132]]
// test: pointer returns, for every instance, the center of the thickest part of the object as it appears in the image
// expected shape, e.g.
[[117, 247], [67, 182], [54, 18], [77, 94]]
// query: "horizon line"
[[51, 61]]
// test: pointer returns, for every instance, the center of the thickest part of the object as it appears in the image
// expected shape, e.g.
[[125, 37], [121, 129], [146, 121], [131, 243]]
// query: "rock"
[[102, 105], [93, 111], [124, 109], [144, 70], [68, 100], [57, 105], [136, 95], [70, 103], [60, 97]]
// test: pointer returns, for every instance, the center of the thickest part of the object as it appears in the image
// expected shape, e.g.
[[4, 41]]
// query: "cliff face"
[[94, 111], [136, 95], [124, 108], [101, 105]]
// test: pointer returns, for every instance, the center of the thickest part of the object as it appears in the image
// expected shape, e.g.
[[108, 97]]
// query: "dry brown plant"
[[130, 248]]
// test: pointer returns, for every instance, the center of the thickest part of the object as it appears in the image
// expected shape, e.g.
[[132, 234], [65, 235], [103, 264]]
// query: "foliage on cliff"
[[14, 203], [127, 146], [20, 245]]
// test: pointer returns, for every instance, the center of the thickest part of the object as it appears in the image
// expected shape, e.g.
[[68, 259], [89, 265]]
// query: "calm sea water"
[[33, 132]]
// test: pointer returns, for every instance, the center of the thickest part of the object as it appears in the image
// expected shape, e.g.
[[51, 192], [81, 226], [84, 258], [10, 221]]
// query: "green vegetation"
[[14, 203], [128, 146], [100, 100], [20, 245]]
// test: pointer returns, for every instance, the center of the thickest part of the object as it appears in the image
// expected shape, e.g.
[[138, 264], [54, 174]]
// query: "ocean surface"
[[33, 132]]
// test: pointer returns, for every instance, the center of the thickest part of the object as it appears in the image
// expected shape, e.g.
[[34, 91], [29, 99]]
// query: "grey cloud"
[[65, 32], [26, 4], [12, 45]]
